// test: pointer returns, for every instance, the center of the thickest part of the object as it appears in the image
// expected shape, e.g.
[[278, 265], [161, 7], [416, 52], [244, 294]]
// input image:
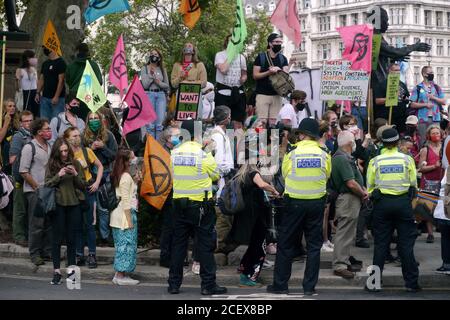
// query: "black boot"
[[10, 9]]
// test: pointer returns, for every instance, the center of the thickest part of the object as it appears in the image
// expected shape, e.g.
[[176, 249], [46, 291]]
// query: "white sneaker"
[[326, 248], [196, 267], [329, 244], [125, 281]]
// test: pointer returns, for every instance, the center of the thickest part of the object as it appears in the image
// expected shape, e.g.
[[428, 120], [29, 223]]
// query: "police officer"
[[391, 179], [193, 211], [306, 170]]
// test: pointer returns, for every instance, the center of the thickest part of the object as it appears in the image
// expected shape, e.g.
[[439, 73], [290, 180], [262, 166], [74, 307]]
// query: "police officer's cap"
[[189, 126], [309, 127], [390, 135]]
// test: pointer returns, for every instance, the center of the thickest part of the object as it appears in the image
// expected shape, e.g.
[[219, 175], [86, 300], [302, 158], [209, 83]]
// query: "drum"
[[424, 204]]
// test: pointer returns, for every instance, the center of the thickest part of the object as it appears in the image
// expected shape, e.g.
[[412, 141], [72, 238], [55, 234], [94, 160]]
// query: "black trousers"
[[65, 221], [186, 220], [306, 216], [253, 258], [445, 242], [166, 238], [389, 213]]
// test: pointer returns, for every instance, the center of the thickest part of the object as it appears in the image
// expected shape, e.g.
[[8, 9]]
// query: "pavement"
[[14, 261]]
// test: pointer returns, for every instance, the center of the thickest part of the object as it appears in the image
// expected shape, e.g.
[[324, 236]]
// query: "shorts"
[[237, 105], [267, 107]]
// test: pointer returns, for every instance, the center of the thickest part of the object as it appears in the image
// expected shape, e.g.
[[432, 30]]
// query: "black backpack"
[[107, 196]]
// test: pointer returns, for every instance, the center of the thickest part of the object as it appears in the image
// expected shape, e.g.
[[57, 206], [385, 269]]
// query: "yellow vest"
[[392, 173], [306, 170], [193, 171]]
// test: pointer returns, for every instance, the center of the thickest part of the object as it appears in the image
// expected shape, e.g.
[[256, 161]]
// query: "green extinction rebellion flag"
[[90, 91], [236, 43]]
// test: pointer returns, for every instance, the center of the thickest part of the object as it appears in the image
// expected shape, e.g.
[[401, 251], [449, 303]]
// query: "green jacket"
[[75, 71]]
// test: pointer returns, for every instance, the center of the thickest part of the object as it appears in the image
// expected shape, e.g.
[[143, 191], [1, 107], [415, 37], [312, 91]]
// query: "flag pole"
[[2, 87], [369, 105], [120, 128]]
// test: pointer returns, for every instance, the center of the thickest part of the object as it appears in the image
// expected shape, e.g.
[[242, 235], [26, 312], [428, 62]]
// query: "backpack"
[[281, 81], [16, 165], [6, 187], [231, 199], [107, 196]]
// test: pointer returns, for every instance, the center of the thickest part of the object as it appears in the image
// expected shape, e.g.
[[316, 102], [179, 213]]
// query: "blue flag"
[[100, 8]]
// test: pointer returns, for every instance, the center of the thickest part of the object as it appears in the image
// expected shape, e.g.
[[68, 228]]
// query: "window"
[[260, 6], [271, 6], [397, 16], [303, 46], [323, 51], [440, 47], [439, 19], [417, 75], [416, 40], [306, 4], [448, 21], [440, 75], [341, 49], [366, 18], [448, 77], [303, 23], [343, 20], [416, 16], [430, 42], [354, 18], [427, 17], [448, 50], [248, 9], [324, 23], [324, 3]]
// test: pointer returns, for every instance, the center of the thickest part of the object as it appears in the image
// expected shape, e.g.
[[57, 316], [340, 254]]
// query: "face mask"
[[352, 129], [76, 111], [333, 124], [47, 52], [430, 77], [154, 59], [300, 106], [259, 130], [175, 140], [47, 135], [410, 129], [33, 62], [95, 124], [76, 142], [276, 48], [435, 138], [188, 51], [134, 161]]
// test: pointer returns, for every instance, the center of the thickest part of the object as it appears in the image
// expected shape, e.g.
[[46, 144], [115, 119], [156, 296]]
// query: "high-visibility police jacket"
[[392, 173], [306, 170], [193, 171]]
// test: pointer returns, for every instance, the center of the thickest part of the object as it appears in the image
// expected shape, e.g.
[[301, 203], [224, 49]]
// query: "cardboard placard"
[[188, 100], [339, 82], [376, 45], [393, 82]]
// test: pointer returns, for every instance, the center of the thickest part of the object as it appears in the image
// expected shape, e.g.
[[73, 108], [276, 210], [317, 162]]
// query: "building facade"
[[410, 21]]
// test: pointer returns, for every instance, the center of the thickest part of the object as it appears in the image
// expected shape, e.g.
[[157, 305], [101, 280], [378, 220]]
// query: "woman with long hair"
[[90, 163], [156, 84], [66, 175], [250, 225], [27, 80], [431, 167], [124, 219], [11, 124], [189, 68], [100, 140]]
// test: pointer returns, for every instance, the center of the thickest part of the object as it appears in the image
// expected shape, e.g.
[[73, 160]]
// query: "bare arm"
[[258, 75], [258, 180], [29, 179], [60, 86], [5, 127], [424, 168], [356, 188]]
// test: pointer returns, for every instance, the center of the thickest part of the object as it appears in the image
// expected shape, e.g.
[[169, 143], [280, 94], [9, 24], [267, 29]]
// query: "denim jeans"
[[103, 220], [88, 226], [50, 111], [159, 102], [361, 117]]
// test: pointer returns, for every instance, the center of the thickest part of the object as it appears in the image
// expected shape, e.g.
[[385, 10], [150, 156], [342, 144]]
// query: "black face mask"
[[154, 59], [47, 52], [430, 77], [301, 106], [411, 130], [276, 48], [76, 111]]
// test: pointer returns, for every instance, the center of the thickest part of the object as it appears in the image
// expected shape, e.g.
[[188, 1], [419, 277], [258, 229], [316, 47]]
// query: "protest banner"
[[339, 82], [376, 45], [393, 82], [188, 100]]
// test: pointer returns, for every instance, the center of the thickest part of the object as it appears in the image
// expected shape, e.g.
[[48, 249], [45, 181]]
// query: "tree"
[[38, 13], [157, 23]]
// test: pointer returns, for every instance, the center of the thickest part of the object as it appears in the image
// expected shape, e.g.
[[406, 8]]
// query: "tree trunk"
[[35, 20]]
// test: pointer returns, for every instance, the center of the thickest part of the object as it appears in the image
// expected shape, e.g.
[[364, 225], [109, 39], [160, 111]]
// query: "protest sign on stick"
[[188, 100]]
